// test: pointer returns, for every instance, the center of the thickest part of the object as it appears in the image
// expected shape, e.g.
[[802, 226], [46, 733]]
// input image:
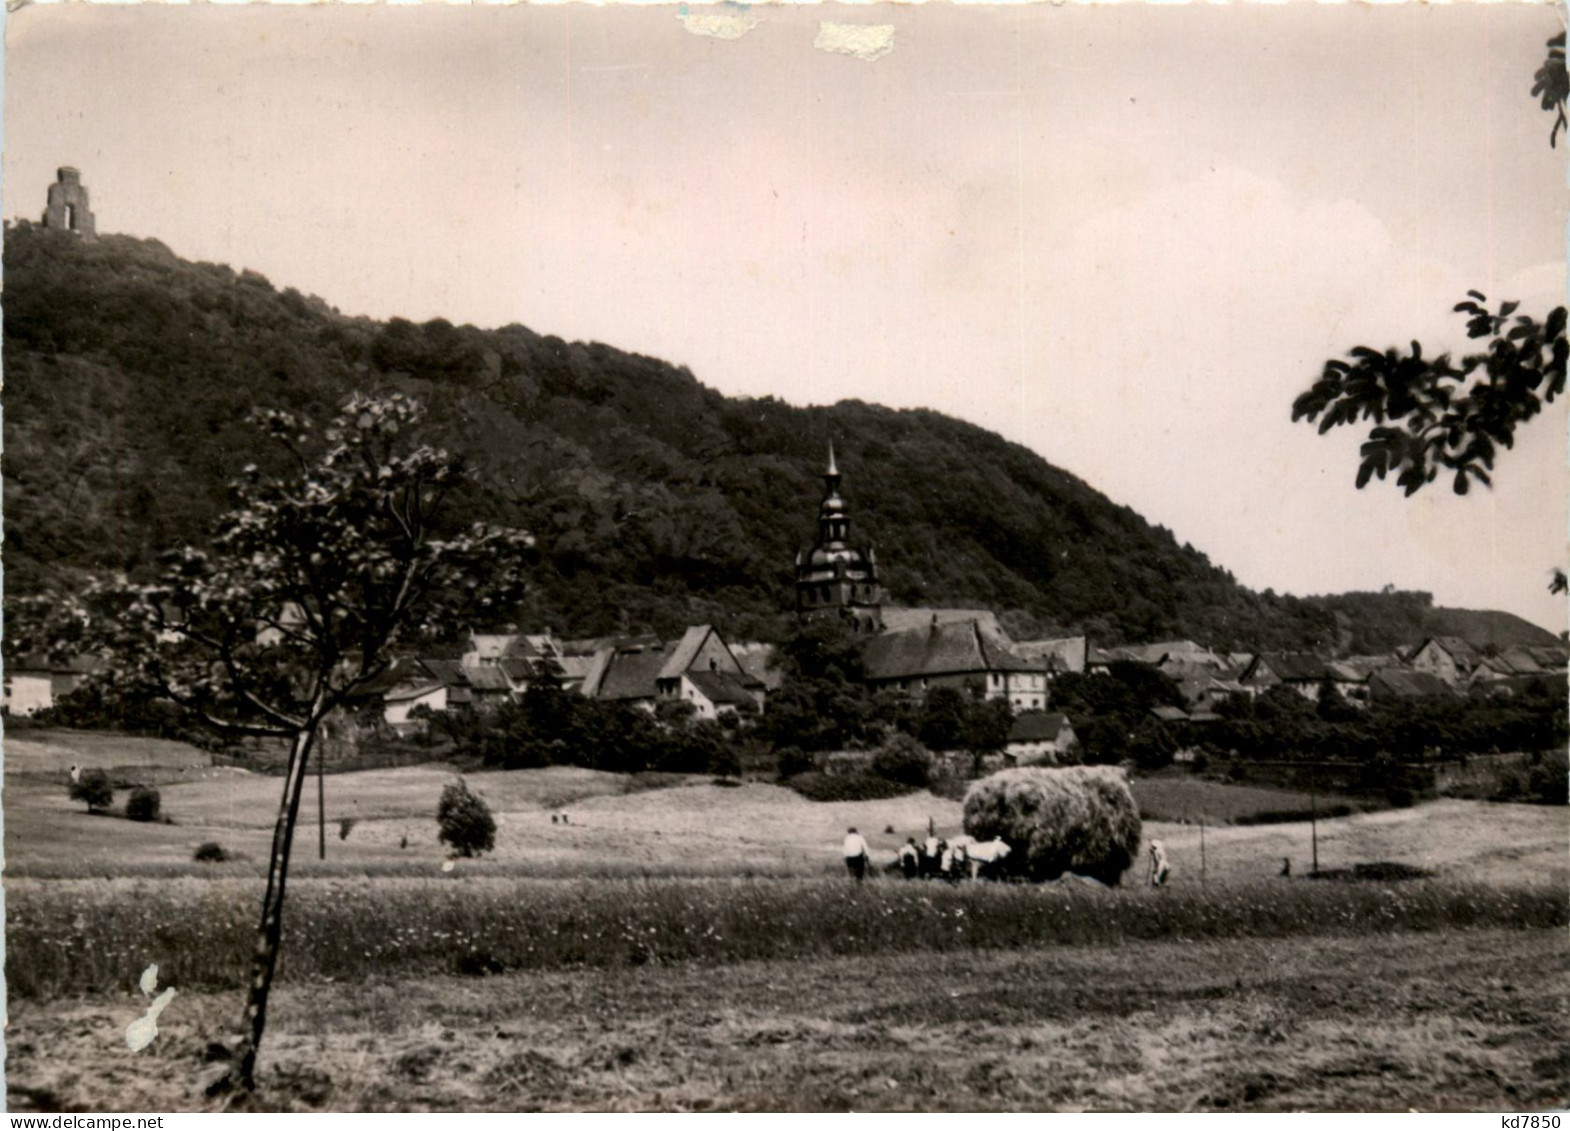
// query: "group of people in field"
[[964, 857], [935, 858]]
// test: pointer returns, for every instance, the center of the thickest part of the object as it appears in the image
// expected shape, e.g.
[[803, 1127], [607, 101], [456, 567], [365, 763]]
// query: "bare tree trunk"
[[242, 1075]]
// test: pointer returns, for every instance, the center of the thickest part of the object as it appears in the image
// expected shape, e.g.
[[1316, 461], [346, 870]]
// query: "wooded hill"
[[657, 502]]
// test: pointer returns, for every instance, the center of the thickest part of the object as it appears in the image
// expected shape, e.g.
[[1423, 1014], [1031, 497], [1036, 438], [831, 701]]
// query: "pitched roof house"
[[957, 654], [1450, 658], [1039, 737], [1301, 671], [37, 682], [699, 669], [1069, 651], [1389, 684]]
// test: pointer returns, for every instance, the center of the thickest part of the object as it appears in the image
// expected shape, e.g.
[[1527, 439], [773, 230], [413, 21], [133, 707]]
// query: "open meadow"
[[685, 945]]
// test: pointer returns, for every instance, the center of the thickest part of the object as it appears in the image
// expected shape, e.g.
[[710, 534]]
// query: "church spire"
[[837, 578]]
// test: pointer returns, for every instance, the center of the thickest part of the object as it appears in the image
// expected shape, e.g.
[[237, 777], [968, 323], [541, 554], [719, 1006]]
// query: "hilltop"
[[658, 502]]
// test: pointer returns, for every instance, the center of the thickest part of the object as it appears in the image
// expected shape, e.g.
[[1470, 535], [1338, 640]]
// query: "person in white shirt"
[[856, 853], [1159, 868], [909, 858], [931, 856]]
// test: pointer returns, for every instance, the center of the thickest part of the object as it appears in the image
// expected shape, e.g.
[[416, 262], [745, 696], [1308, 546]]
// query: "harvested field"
[[1378, 1023]]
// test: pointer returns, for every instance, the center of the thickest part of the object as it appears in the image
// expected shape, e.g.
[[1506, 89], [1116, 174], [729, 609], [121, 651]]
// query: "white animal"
[[982, 853]]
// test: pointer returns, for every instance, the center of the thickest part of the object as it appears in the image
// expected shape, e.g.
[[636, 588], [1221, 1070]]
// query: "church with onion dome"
[[836, 579], [908, 651]]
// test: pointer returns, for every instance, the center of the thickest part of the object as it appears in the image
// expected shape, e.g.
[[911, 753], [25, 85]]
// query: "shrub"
[[143, 804], [855, 785], [465, 820], [1079, 819], [345, 827], [723, 761], [1548, 783], [794, 760], [210, 852], [903, 759], [94, 788]]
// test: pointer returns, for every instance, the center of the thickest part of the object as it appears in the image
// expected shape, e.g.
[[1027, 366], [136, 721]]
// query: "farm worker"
[[1159, 869], [909, 858], [855, 854], [931, 851]]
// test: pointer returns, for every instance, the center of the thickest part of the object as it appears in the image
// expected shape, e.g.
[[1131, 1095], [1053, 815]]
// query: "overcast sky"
[[1124, 236]]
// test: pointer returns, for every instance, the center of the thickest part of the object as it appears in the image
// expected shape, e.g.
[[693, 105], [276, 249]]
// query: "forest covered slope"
[[657, 502]]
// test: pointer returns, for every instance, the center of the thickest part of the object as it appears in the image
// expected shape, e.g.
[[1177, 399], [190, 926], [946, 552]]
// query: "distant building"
[[36, 683], [67, 209], [836, 580], [699, 669], [1303, 672], [1162, 654], [1451, 658], [960, 655], [1071, 652], [1391, 684], [1039, 738]]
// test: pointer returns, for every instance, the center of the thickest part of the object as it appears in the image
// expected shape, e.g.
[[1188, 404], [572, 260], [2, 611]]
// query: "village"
[[906, 651]]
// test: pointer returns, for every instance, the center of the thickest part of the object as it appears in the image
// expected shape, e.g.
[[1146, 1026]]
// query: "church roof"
[[897, 619]]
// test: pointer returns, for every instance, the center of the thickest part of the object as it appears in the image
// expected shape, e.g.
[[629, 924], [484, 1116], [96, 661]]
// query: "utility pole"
[[321, 802], [1313, 819], [1202, 850]]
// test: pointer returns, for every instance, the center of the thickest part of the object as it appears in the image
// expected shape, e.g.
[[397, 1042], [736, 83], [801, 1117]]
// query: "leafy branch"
[[1551, 85], [1428, 419]]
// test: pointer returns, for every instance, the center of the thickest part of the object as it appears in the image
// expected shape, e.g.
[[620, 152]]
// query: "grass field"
[[1179, 797], [74, 936], [681, 945], [1376, 1023], [682, 826]]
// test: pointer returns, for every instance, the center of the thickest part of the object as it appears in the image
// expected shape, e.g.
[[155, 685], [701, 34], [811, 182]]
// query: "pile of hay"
[[1079, 819]]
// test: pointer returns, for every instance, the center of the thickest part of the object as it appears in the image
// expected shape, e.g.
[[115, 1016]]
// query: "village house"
[[1303, 672], [1451, 658], [1393, 684], [1203, 687], [1063, 654], [1162, 654], [1039, 738], [399, 703], [35, 683], [699, 669], [959, 655]]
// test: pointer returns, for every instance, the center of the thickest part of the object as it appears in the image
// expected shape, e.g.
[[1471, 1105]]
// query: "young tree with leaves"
[[308, 583]]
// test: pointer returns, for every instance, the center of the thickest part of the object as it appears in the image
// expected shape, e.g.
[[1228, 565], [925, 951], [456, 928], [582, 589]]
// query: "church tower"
[[836, 580]]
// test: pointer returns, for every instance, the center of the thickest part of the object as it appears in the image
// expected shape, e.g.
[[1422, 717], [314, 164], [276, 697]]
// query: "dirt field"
[[1475, 1022]]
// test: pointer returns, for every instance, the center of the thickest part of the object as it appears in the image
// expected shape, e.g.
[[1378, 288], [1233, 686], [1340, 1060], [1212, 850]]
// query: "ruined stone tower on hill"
[[67, 208]]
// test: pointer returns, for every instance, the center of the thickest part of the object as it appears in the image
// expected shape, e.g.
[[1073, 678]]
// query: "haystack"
[[1079, 819]]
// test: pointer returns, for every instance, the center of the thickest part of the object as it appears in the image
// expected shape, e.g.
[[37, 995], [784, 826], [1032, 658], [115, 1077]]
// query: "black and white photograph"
[[785, 558]]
